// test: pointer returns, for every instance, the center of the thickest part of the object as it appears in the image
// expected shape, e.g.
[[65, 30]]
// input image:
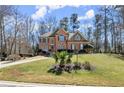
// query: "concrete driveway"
[[27, 60]]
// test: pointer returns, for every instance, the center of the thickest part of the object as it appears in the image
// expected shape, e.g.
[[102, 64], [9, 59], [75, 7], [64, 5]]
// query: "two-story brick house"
[[63, 40]]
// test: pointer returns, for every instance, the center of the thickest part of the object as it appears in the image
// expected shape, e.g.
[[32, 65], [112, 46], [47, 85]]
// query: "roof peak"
[[47, 34]]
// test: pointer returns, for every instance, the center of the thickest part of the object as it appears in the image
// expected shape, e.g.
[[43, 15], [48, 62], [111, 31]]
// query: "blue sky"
[[85, 13], [58, 12]]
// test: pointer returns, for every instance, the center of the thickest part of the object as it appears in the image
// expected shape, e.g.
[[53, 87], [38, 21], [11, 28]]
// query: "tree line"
[[109, 29], [18, 30]]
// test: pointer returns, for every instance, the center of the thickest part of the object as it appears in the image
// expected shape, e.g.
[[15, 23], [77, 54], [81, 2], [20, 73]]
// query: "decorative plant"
[[55, 56], [62, 56], [64, 64], [88, 66], [68, 60]]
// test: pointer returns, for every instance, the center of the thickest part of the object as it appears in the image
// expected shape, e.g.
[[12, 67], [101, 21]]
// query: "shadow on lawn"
[[119, 56]]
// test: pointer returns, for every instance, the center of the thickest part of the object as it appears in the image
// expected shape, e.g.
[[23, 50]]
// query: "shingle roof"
[[51, 33], [46, 34]]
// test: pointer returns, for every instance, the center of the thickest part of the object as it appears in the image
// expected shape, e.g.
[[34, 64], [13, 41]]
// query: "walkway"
[[27, 60]]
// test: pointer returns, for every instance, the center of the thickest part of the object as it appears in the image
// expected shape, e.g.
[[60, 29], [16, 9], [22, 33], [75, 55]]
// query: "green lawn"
[[109, 72]]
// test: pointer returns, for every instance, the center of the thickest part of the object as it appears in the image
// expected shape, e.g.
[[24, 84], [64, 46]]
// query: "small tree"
[[62, 56]]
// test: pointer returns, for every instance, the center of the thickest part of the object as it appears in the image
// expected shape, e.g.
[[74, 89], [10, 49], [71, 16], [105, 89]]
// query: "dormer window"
[[61, 37]]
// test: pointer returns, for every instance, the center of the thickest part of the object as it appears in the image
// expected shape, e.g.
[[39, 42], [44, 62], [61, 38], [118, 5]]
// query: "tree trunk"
[[105, 28], [1, 37]]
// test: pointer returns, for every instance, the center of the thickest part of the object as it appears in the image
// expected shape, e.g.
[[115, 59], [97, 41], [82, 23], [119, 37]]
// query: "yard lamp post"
[[76, 51], [66, 44], [77, 55]]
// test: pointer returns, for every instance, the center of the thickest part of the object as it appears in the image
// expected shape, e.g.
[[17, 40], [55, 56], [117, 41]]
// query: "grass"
[[109, 72]]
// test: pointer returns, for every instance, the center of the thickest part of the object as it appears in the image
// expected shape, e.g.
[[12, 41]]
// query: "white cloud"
[[43, 10], [85, 26], [82, 17], [75, 6], [40, 13], [55, 7], [89, 14]]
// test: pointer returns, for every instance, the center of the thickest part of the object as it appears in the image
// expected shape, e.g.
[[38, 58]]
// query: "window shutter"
[[58, 38]]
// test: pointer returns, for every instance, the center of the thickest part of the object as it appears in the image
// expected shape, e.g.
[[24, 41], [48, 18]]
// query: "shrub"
[[58, 69], [2, 58], [55, 69], [68, 60], [14, 57], [87, 66], [68, 68], [77, 66], [64, 63]]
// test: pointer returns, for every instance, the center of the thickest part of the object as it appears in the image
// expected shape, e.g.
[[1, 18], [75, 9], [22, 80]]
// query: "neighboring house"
[[63, 40]]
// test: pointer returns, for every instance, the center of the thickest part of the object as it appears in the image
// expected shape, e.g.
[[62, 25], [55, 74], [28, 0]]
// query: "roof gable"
[[72, 37], [52, 34], [60, 31]]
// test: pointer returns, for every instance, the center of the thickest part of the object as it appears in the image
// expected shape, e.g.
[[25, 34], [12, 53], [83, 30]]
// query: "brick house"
[[63, 40]]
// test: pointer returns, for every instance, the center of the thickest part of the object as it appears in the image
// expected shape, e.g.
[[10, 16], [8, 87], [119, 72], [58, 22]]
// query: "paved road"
[[21, 84], [27, 60]]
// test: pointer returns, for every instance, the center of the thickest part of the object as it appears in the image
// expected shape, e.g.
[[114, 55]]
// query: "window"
[[61, 47], [73, 46], [77, 37], [61, 38], [51, 40], [45, 40], [81, 46]]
